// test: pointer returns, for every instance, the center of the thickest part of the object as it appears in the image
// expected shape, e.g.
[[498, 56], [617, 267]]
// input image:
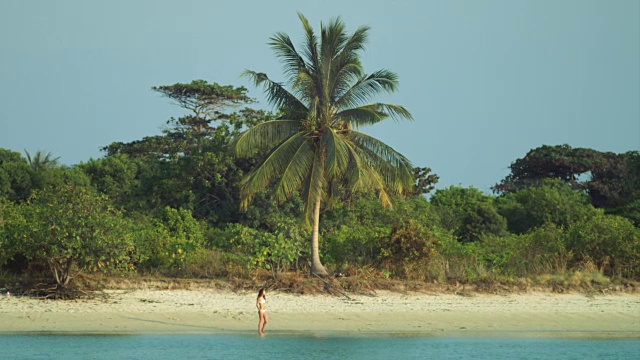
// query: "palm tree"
[[41, 161], [314, 147]]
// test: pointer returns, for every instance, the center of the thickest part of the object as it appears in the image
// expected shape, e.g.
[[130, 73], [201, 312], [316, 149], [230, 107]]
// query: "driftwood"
[[328, 287]]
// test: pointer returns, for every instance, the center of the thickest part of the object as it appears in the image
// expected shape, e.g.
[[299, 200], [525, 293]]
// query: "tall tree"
[[425, 182], [207, 101], [41, 161], [611, 180], [188, 166], [315, 147], [551, 162]]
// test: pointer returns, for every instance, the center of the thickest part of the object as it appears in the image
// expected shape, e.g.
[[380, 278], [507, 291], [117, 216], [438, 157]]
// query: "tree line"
[[227, 190], [170, 204]]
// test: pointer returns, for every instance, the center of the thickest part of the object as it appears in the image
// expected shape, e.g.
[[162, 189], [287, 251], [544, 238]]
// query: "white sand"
[[216, 311]]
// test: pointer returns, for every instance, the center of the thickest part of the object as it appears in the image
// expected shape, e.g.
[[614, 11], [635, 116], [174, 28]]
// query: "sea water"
[[245, 346]]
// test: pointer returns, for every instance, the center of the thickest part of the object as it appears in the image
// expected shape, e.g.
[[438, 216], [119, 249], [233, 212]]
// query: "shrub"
[[277, 251], [165, 242], [543, 250], [409, 250], [203, 263], [468, 212], [355, 245], [611, 242], [12, 224], [553, 202], [186, 233], [71, 228]]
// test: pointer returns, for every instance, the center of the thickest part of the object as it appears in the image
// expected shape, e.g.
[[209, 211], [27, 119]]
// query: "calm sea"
[[183, 347]]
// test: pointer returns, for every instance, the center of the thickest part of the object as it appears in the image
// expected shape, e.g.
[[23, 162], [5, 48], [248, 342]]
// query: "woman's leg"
[[265, 320], [260, 321]]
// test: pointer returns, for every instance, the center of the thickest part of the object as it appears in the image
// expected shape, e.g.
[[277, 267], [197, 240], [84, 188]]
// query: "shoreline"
[[207, 311]]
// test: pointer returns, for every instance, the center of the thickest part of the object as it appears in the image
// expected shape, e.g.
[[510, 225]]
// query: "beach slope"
[[385, 313]]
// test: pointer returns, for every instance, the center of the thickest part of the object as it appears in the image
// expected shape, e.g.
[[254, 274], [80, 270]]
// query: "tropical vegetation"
[[232, 193]]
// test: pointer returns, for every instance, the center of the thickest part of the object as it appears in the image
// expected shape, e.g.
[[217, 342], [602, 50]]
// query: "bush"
[[355, 245], [279, 251], [500, 254], [468, 212], [630, 211], [408, 251], [71, 228], [203, 264], [544, 251], [12, 224], [355, 236], [541, 250], [164, 243], [186, 233], [611, 242], [553, 202], [153, 244]]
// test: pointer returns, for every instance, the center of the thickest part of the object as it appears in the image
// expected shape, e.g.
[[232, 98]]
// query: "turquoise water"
[[159, 347]]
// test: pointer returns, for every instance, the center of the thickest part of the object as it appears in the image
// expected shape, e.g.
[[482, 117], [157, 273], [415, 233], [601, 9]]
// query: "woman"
[[262, 310]]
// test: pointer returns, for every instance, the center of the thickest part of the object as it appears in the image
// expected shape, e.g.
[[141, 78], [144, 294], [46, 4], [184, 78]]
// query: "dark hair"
[[261, 293]]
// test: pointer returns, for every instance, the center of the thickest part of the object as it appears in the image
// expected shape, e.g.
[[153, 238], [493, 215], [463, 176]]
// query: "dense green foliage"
[[69, 228], [468, 212], [171, 204], [611, 180], [461, 234], [550, 202]]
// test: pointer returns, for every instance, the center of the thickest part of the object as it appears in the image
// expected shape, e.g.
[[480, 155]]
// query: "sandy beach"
[[384, 313]]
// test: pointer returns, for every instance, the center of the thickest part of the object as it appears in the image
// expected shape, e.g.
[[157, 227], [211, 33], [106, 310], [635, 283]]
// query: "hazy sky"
[[486, 81]]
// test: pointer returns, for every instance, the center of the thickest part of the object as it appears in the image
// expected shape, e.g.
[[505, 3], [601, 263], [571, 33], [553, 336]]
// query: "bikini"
[[262, 301]]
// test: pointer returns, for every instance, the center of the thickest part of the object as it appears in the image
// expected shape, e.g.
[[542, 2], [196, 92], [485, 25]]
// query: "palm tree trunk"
[[316, 266]]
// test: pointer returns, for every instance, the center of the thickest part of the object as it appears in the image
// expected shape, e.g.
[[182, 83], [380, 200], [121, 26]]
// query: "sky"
[[485, 80]]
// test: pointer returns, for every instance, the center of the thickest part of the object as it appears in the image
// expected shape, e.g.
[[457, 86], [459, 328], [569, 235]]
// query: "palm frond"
[[277, 95], [310, 48], [333, 38], [295, 172], [372, 179], [361, 116], [293, 63], [396, 112], [382, 150], [337, 153], [344, 75], [356, 41], [263, 137], [368, 86], [369, 178], [372, 114], [346, 67], [304, 89], [395, 171], [352, 178], [270, 168], [311, 51], [397, 180]]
